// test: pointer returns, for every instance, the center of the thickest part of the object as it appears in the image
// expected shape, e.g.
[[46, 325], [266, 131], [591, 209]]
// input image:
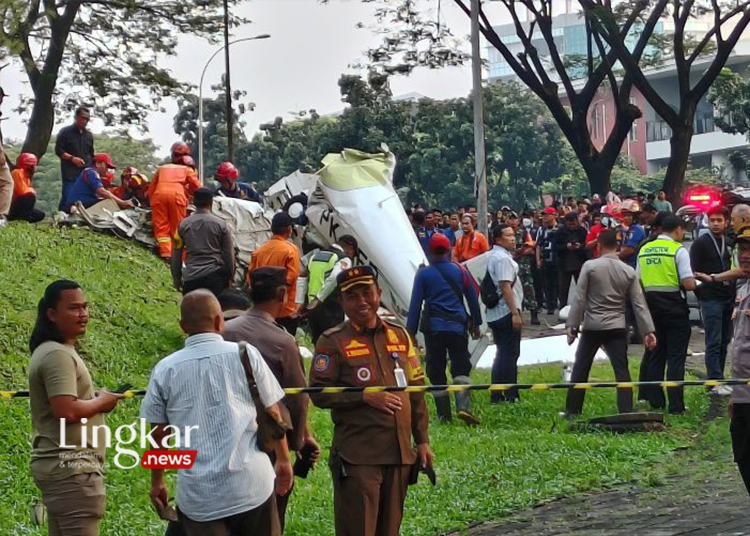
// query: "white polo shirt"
[[502, 267], [204, 385]]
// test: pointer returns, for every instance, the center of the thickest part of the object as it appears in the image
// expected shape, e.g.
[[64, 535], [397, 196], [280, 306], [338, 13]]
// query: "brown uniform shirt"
[[348, 355], [280, 351]]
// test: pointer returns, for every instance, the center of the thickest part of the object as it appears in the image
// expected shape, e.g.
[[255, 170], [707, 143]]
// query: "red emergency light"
[[703, 198]]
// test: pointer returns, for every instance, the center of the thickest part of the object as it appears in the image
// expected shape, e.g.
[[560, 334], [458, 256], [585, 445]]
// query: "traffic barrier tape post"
[[463, 387]]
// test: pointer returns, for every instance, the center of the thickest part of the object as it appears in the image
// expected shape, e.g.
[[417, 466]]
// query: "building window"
[[633, 134], [596, 120]]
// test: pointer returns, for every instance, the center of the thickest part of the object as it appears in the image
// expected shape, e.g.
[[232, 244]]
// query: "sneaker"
[[3, 221], [468, 417], [722, 390]]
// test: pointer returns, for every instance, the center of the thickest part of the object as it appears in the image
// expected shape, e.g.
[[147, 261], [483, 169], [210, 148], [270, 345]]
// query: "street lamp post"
[[201, 170]]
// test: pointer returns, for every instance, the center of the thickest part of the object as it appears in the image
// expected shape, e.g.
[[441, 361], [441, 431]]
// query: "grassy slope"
[[521, 455]]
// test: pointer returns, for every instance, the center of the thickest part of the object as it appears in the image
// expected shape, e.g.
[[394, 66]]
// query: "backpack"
[[488, 292]]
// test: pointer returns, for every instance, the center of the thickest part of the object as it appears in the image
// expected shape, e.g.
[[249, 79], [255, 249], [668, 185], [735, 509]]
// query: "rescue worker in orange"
[[133, 186], [24, 196], [169, 192], [372, 458], [279, 251]]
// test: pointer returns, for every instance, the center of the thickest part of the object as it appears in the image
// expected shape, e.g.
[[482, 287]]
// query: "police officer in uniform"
[[664, 267], [323, 307], [372, 459]]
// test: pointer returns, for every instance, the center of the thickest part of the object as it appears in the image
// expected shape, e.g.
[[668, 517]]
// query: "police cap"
[[356, 275]]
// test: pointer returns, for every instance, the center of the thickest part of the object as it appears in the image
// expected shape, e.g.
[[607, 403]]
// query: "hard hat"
[[180, 148], [130, 169], [630, 205], [227, 170], [27, 160], [137, 180]]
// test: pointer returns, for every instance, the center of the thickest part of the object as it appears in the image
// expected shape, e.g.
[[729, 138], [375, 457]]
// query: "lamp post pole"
[[201, 171]]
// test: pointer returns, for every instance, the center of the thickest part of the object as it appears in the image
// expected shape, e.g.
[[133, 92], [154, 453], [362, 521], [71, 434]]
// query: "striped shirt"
[[204, 385]]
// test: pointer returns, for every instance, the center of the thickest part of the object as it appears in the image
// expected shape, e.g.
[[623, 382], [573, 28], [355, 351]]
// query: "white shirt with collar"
[[502, 268], [204, 385]]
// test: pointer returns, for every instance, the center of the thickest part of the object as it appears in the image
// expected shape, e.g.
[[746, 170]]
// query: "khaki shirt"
[[281, 353], [604, 289], [348, 355], [57, 370], [208, 244]]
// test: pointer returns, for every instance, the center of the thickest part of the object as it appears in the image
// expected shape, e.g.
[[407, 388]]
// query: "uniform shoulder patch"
[[321, 362]]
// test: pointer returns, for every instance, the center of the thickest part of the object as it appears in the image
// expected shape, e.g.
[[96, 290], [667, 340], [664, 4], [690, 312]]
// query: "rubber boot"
[[535, 318], [443, 406], [463, 402]]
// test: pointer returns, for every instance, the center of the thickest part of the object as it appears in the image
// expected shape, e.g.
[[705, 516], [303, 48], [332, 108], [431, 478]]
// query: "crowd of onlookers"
[[543, 236]]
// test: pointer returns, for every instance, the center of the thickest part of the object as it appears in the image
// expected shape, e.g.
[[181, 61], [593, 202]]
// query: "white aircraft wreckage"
[[352, 194]]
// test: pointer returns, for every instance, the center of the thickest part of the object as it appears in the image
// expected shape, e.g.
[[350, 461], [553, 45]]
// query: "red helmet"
[[27, 160], [227, 170], [180, 148]]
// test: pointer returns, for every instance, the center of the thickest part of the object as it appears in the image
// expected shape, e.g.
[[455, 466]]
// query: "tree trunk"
[[599, 174], [42, 120], [674, 180]]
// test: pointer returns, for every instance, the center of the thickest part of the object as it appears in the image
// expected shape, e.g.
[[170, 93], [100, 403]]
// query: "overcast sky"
[[298, 68]]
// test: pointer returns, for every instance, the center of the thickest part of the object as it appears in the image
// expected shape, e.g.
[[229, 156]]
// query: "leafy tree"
[[215, 148], [103, 53], [432, 141], [123, 150]]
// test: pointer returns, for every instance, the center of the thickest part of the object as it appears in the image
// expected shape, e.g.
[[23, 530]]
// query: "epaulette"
[[334, 329]]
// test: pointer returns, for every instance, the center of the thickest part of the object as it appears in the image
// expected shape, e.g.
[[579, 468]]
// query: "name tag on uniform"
[[354, 348]]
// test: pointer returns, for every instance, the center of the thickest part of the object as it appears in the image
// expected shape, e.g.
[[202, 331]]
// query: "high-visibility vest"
[[658, 268], [319, 267]]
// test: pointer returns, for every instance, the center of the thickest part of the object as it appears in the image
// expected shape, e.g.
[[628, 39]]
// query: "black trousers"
[[217, 282], [740, 432], [537, 276], [673, 336], [325, 316], [615, 343], [551, 283], [260, 521], [22, 209], [441, 344], [565, 278]]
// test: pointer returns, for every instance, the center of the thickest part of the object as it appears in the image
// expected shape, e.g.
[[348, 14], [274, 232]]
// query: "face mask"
[[526, 222]]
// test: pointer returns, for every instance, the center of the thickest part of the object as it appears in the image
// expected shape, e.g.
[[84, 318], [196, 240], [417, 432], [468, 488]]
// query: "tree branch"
[[630, 61], [720, 59], [545, 26], [710, 34]]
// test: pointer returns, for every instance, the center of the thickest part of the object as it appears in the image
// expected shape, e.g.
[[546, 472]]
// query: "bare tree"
[[694, 77]]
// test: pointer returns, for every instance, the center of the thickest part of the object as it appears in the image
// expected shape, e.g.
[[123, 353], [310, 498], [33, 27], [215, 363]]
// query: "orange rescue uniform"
[[280, 252], [21, 183], [169, 191], [468, 247]]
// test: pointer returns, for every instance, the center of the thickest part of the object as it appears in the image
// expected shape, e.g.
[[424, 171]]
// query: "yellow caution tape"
[[463, 387]]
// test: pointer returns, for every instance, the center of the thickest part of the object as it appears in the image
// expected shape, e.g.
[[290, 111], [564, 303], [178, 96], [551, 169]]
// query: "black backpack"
[[488, 292]]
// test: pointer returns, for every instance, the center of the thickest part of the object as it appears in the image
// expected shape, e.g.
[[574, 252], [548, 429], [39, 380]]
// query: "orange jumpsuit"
[[21, 183], [169, 191]]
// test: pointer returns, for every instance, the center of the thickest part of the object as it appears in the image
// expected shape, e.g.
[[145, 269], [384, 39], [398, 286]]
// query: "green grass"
[[521, 455]]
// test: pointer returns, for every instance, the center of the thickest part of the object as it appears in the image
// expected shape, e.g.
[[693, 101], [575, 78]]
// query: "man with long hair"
[[71, 478]]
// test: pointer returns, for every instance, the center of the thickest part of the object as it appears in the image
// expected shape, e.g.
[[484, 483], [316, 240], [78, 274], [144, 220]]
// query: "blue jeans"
[[505, 366], [717, 322]]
